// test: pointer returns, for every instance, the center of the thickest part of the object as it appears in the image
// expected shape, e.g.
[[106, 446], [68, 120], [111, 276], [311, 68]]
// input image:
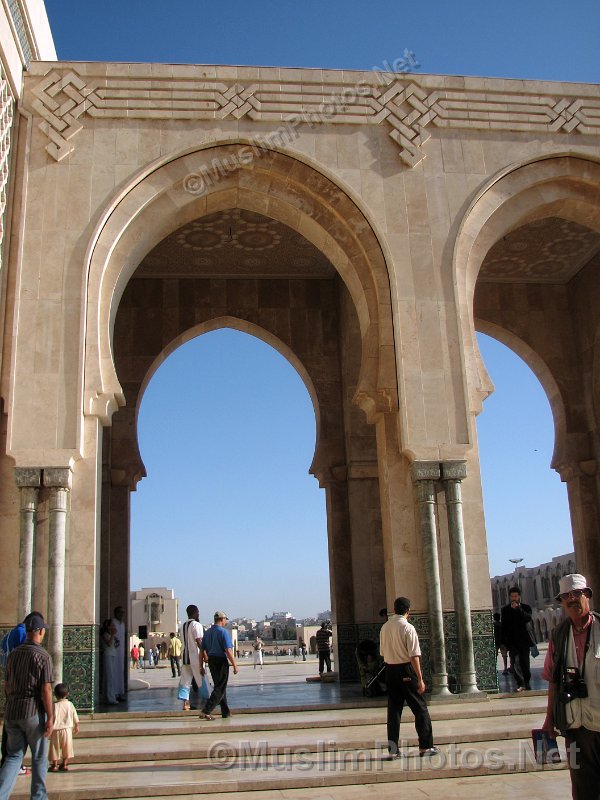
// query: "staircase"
[[337, 752]]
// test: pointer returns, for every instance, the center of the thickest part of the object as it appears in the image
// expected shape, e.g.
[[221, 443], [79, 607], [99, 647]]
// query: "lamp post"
[[516, 562]]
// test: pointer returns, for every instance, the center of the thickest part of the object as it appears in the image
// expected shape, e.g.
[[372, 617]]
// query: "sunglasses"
[[576, 594]]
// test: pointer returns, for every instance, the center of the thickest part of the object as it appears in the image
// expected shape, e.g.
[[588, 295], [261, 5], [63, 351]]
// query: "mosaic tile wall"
[[349, 635], [80, 664]]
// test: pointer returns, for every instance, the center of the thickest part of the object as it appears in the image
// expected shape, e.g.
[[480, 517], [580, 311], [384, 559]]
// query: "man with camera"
[[572, 669]]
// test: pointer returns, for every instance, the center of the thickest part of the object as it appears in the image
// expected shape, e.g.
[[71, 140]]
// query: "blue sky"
[[228, 515]]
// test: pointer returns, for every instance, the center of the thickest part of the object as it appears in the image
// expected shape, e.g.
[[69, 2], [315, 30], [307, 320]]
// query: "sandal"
[[207, 716], [64, 768], [53, 768]]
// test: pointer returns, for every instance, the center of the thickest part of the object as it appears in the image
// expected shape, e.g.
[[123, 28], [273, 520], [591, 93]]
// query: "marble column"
[[28, 480], [424, 475], [453, 472], [58, 481]]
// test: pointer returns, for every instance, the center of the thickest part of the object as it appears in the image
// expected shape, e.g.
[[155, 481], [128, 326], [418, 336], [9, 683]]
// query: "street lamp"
[[516, 562]]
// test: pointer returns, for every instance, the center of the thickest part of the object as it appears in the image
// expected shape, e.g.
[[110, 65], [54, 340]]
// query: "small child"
[[66, 723]]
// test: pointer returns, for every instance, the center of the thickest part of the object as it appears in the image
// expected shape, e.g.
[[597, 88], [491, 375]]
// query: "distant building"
[[157, 608], [539, 587]]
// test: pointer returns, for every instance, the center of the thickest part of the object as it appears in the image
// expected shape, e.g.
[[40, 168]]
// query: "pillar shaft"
[[452, 474], [424, 475], [58, 481], [28, 481]]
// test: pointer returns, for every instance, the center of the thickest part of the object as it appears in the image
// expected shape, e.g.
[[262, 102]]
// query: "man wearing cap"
[[399, 646], [515, 618], [217, 651], [572, 669], [28, 712]]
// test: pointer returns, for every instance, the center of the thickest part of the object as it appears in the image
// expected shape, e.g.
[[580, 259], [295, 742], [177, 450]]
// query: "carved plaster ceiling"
[[549, 250], [235, 244]]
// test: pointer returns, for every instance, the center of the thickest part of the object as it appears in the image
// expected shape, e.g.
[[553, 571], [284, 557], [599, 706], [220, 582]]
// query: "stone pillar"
[[424, 475], [28, 480], [58, 481], [584, 506], [453, 472]]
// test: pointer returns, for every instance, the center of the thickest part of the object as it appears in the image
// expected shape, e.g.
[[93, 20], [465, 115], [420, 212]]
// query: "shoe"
[[520, 688], [27, 771], [527, 687], [431, 751], [226, 716], [64, 768], [392, 757], [206, 716]]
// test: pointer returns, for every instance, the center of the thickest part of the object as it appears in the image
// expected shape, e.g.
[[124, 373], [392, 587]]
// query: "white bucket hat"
[[571, 582]]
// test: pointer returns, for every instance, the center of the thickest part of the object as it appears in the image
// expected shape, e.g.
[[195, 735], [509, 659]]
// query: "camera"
[[574, 687]]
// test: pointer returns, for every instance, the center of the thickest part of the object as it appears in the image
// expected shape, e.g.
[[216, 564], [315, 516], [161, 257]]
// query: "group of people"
[[571, 667], [212, 648], [31, 719]]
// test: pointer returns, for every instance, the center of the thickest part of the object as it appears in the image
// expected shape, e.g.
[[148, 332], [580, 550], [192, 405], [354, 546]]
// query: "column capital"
[[425, 471], [454, 470], [28, 477], [57, 477]]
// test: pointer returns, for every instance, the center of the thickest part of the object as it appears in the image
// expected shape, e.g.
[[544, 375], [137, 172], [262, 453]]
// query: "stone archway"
[[283, 188], [544, 306], [347, 357]]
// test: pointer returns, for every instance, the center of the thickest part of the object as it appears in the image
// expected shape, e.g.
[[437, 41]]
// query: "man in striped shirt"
[[28, 713]]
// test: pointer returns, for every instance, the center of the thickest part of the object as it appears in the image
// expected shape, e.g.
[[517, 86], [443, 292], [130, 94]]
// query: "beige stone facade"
[[365, 225]]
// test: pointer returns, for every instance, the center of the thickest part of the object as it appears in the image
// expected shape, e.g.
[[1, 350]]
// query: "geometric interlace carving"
[[63, 99], [6, 119]]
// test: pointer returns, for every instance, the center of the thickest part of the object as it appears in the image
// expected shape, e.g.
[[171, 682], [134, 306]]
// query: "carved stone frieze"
[[63, 98]]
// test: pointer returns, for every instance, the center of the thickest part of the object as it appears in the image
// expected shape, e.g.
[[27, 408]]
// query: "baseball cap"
[[220, 615], [35, 622]]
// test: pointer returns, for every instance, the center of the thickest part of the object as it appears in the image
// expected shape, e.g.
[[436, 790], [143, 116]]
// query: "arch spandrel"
[[158, 205], [565, 185]]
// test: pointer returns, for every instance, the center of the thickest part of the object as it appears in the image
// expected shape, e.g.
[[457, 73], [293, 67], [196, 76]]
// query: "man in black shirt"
[[28, 713], [514, 619]]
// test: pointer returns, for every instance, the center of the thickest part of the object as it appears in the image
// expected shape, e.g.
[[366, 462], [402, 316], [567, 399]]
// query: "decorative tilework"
[[80, 664], [349, 635]]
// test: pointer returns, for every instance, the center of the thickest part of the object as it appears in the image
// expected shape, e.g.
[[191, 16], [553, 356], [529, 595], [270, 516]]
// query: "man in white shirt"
[[192, 633], [399, 646]]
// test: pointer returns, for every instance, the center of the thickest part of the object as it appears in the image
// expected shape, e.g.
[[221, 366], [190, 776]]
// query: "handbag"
[[204, 689]]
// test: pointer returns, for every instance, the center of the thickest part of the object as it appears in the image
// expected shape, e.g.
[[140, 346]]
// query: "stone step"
[[259, 771], [99, 725], [201, 739]]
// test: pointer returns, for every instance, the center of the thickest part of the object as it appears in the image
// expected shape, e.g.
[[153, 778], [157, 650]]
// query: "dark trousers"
[[583, 754], [519, 657], [324, 660], [219, 671], [402, 685], [175, 664]]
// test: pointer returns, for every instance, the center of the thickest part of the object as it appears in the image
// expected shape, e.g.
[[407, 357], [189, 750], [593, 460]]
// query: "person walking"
[[66, 725], [323, 636], [174, 654], [258, 652], [399, 646], [515, 618], [217, 650], [28, 711], [192, 657], [571, 669]]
